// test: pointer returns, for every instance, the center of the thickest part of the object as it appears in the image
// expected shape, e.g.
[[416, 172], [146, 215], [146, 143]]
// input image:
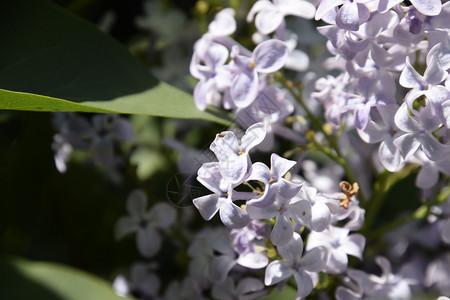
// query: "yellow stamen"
[[271, 180], [252, 65]]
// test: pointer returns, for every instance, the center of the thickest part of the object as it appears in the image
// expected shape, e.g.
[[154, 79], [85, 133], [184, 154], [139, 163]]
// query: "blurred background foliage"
[[69, 218]]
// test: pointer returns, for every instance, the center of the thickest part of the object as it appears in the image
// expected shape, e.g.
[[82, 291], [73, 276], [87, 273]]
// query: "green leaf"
[[23, 279], [288, 293], [51, 60]]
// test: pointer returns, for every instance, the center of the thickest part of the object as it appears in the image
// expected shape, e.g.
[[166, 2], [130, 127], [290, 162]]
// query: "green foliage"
[[54, 61], [288, 292], [23, 279]]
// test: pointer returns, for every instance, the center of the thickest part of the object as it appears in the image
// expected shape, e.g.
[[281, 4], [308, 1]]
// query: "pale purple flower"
[[271, 107], [207, 62], [381, 128], [246, 289], [274, 183], [325, 179], [223, 24], [423, 85], [392, 286], [267, 57], [301, 266], [428, 175], [418, 133], [142, 282], [358, 286], [105, 132], [145, 222], [367, 96], [437, 274], [349, 16], [221, 200], [385, 5], [284, 210], [249, 243], [187, 289], [233, 156], [63, 151], [72, 130], [339, 243], [269, 16], [318, 216]]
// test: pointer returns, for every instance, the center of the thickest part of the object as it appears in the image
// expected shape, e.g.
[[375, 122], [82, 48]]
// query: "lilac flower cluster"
[[288, 205], [380, 46], [380, 49]]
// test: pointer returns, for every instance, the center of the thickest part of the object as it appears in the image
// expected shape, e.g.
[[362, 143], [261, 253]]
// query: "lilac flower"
[[213, 56], [297, 264], [418, 132], [367, 97], [71, 132], [187, 289], [385, 5], [145, 223], [63, 150], [271, 107], [390, 285], [437, 274], [246, 289], [274, 183], [267, 57], [382, 128], [106, 130], [248, 242], [223, 23], [318, 217], [234, 159], [428, 175], [349, 16], [142, 282], [422, 85], [231, 215], [284, 210], [269, 16], [359, 286], [339, 244], [325, 179]]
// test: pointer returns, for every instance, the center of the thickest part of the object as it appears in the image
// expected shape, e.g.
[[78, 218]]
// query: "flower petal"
[[163, 215], [207, 205], [428, 7], [125, 226], [277, 271], [304, 284], [267, 21], [244, 88], [137, 203], [253, 136], [315, 260], [148, 242], [282, 231], [270, 56], [233, 216]]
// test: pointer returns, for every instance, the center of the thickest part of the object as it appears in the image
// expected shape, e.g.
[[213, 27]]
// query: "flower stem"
[[418, 214]]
